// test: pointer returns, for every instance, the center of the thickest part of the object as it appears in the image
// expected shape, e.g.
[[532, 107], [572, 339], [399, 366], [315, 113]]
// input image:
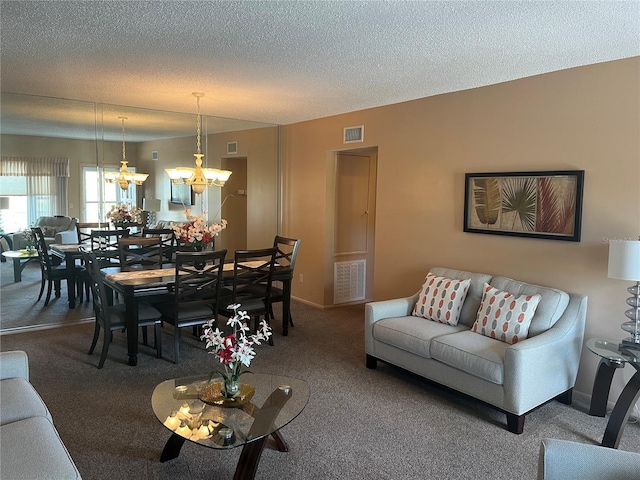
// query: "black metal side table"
[[613, 355]]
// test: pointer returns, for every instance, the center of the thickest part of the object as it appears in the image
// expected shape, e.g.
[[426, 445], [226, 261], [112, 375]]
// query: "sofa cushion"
[[19, 400], [505, 316], [441, 299], [471, 353], [553, 302], [474, 294], [31, 449], [411, 333]]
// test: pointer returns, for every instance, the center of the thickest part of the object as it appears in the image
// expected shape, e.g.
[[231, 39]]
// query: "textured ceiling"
[[290, 61]]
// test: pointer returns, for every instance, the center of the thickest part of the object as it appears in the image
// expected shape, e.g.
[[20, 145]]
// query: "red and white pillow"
[[441, 299], [505, 316]]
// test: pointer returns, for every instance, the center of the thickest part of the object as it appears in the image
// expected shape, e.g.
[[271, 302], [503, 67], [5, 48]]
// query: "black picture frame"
[[181, 193], [546, 204]]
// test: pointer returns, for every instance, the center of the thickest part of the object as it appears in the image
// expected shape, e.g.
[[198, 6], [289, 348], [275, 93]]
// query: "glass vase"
[[231, 387]]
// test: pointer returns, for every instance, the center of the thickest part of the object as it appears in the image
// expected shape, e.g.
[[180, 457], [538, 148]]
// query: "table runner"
[[165, 272]]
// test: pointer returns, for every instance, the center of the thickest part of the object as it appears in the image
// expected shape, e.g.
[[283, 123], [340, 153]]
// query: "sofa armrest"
[[18, 242], [374, 311], [562, 459], [66, 237], [546, 365], [14, 364]]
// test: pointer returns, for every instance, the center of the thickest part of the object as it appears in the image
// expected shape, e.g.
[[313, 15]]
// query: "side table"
[[613, 356], [20, 259]]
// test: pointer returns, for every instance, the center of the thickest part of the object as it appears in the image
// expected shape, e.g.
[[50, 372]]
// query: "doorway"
[[354, 225], [234, 206]]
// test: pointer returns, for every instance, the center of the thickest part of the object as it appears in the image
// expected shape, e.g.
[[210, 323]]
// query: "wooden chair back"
[[140, 253]]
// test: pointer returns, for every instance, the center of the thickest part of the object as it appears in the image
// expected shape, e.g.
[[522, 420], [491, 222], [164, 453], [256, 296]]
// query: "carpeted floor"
[[19, 305], [359, 423]]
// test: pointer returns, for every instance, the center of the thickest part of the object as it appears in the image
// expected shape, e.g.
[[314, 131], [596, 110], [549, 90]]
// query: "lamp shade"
[[151, 204], [4, 203], [624, 259]]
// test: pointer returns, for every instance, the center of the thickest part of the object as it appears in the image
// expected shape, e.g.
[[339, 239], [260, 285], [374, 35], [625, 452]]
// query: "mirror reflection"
[[55, 153]]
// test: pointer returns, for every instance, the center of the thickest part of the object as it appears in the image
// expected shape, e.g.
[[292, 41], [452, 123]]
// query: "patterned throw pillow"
[[48, 231], [441, 299], [505, 316]]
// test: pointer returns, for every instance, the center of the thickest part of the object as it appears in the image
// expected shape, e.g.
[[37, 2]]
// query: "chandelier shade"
[[124, 177], [198, 177]]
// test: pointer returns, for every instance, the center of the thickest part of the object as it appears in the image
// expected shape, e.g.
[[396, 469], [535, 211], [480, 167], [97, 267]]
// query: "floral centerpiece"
[[121, 214], [234, 350], [29, 239], [196, 233]]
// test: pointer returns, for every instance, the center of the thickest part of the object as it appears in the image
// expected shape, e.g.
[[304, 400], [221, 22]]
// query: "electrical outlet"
[[301, 278]]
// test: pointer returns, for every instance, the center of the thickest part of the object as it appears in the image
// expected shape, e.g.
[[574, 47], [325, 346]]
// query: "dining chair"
[[198, 278], [169, 242], [137, 253], [283, 273], [252, 279], [83, 230], [113, 317], [104, 243], [52, 274]]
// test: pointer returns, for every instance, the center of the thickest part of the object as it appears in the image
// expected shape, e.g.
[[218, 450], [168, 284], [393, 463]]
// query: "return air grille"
[[349, 281], [353, 134], [232, 147]]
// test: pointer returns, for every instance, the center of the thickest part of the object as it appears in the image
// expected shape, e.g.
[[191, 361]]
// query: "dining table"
[[147, 283]]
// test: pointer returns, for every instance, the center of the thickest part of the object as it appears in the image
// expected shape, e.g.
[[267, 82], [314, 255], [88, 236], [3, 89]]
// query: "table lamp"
[[151, 205], [624, 263]]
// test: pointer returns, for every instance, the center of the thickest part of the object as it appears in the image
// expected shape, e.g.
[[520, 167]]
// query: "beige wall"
[[585, 118]]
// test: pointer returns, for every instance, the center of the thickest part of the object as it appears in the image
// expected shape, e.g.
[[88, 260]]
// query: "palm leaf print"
[[486, 199], [519, 195]]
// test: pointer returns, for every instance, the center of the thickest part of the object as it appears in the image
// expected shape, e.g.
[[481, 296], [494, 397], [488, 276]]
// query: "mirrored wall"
[[90, 135]]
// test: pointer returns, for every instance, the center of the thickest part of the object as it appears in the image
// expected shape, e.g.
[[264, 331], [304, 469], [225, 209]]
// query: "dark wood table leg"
[[602, 386], [132, 328], [172, 447], [286, 306], [17, 270], [621, 411], [264, 418], [71, 280]]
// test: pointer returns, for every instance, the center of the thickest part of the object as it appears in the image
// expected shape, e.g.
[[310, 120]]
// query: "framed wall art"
[[525, 204], [181, 193]]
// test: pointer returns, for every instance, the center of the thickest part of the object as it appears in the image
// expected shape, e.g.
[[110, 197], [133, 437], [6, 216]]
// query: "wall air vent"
[[353, 134], [232, 148], [349, 281]]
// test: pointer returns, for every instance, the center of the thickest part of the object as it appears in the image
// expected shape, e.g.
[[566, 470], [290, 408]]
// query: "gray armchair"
[[563, 459], [57, 229]]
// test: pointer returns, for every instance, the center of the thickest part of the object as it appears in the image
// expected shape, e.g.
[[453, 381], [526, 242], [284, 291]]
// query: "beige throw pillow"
[[441, 299]]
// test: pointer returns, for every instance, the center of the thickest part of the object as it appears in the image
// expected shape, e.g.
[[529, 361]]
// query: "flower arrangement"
[[29, 239], [234, 350], [196, 232], [120, 213]]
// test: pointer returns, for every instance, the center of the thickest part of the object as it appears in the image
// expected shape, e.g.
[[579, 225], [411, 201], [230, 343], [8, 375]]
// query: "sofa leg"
[[372, 362], [515, 423], [565, 397]]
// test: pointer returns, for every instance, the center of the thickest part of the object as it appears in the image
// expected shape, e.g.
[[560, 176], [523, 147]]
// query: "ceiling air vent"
[[232, 147], [353, 134]]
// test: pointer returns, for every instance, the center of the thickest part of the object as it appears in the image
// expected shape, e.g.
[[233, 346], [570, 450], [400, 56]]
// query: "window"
[[99, 196], [35, 187]]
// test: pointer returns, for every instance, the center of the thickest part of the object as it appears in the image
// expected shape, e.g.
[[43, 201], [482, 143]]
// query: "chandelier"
[[198, 177], [124, 177]]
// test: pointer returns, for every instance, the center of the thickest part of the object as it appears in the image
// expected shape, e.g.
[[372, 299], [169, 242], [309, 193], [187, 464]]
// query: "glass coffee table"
[[613, 355], [270, 403]]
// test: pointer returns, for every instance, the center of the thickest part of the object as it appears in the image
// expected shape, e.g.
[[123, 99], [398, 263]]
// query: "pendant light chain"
[[198, 125], [124, 157]]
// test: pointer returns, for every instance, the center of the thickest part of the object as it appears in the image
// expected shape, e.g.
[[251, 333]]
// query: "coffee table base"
[[251, 452]]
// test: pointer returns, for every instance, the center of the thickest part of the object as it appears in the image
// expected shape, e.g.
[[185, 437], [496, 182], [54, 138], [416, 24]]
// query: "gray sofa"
[[514, 378], [31, 447], [563, 460], [58, 229]]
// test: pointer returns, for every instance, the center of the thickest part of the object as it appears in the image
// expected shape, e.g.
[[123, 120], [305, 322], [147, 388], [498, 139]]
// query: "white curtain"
[[47, 180]]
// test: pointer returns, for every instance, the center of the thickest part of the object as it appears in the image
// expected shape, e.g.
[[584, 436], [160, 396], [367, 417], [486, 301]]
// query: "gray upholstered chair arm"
[[546, 365], [14, 364], [66, 237], [562, 460]]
